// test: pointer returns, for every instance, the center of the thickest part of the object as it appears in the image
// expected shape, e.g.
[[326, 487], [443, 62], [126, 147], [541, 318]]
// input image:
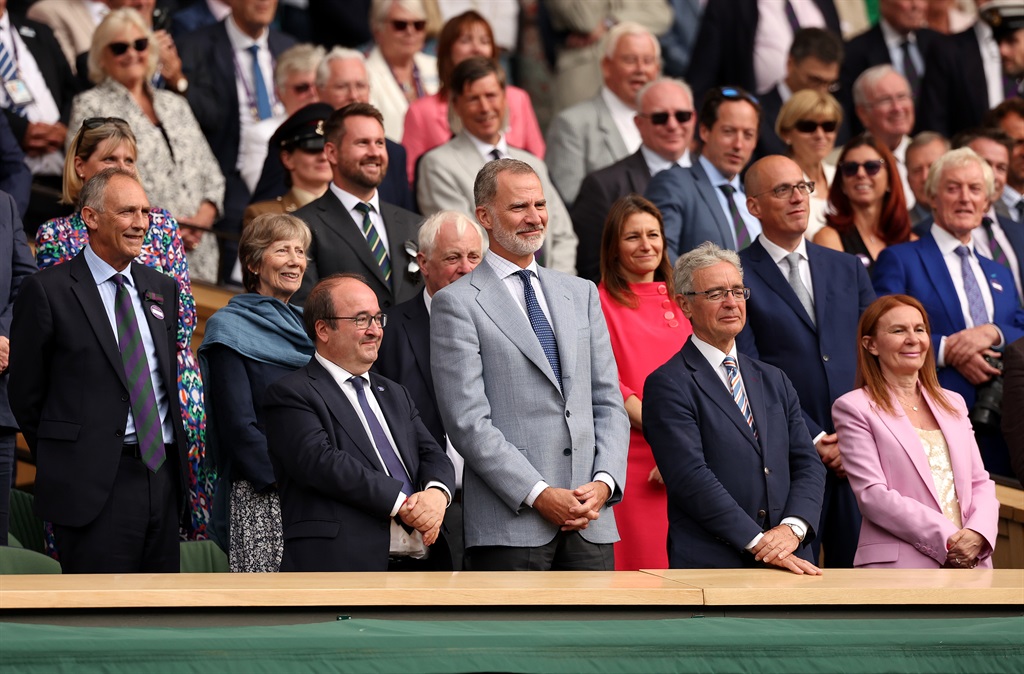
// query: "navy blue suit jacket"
[[336, 498], [821, 359], [15, 178], [191, 18], [404, 357], [1014, 233], [690, 208], [724, 485], [17, 263], [916, 268]]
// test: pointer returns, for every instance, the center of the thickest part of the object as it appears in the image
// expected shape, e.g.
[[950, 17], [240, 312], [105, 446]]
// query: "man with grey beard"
[[528, 392]]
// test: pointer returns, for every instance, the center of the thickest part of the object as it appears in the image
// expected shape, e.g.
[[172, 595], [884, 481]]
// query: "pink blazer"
[[903, 525], [426, 126]]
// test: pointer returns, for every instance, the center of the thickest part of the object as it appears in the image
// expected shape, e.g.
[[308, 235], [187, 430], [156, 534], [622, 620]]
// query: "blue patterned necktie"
[[259, 85], [739, 226], [148, 427], [380, 439], [540, 325], [975, 301], [733, 374], [377, 249]]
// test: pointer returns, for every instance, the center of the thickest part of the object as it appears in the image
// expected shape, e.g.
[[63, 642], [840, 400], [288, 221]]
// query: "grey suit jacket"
[[690, 208], [504, 412], [444, 181], [581, 140], [338, 245]]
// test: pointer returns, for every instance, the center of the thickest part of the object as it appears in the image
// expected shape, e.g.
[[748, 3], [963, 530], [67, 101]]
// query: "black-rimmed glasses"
[[661, 118], [871, 167], [785, 191], [362, 321], [719, 294], [121, 48]]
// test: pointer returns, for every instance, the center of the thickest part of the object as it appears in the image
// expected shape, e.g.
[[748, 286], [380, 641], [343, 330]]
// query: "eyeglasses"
[[810, 126], [362, 321], [661, 118], [402, 26], [832, 86], [892, 101], [872, 167], [733, 94], [302, 87], [121, 48], [785, 191], [96, 122], [719, 294]]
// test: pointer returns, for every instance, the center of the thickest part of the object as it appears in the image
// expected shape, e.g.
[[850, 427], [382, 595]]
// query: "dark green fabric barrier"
[[986, 645]]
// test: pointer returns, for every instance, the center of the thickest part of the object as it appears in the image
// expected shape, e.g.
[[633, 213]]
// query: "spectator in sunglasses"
[[807, 124], [867, 209], [175, 161], [399, 71]]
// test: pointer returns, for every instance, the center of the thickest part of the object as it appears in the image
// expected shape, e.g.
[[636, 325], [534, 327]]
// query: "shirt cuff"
[[535, 492], [940, 353], [1002, 339], [398, 503], [434, 484], [817, 438], [753, 542], [607, 479]]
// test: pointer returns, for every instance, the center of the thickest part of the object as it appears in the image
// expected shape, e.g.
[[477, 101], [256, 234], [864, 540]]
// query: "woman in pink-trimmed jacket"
[[909, 450]]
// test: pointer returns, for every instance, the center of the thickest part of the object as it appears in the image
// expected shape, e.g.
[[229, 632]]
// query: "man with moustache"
[[665, 119], [354, 230], [92, 387], [806, 301], [446, 174], [527, 388], [743, 480], [450, 246], [363, 485], [971, 301]]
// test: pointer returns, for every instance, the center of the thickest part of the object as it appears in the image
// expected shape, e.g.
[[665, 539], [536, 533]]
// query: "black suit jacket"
[[767, 141], [723, 55], [336, 498], [208, 62], [68, 388], [53, 66], [404, 357], [394, 189], [338, 245], [954, 95], [1013, 405], [598, 192], [16, 264]]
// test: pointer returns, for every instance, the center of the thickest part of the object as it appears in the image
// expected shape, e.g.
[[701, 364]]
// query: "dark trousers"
[[839, 527], [137, 529], [567, 551], [7, 445]]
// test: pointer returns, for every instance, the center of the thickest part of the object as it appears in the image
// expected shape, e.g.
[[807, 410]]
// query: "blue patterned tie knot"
[[732, 372]]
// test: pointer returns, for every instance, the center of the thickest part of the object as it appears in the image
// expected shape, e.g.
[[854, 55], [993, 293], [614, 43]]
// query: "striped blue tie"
[[377, 249], [540, 325], [8, 72], [733, 373]]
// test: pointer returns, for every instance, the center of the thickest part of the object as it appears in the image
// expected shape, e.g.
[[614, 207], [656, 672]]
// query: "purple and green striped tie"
[[148, 427], [743, 238], [377, 249]]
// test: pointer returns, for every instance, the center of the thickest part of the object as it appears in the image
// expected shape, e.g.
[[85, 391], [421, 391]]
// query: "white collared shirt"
[[485, 149], [43, 107], [900, 153], [656, 163], [894, 43], [981, 244], [738, 197], [1011, 198], [244, 83], [622, 115], [716, 358], [774, 36], [991, 61], [778, 255], [349, 201], [101, 273]]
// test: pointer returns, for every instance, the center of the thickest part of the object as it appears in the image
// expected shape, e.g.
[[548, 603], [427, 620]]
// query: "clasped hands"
[[966, 351], [963, 549], [776, 547], [573, 510], [424, 512]]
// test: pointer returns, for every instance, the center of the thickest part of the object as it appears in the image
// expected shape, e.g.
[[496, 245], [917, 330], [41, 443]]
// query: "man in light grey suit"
[[445, 175], [600, 131], [528, 392]]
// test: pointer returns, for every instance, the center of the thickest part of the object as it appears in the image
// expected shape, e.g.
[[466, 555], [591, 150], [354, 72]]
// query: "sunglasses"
[[402, 26], [810, 126], [850, 168], [121, 48], [733, 94], [661, 118], [96, 122]]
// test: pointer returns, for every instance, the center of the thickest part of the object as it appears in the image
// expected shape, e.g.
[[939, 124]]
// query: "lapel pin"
[[997, 286], [154, 297], [157, 312], [380, 389]]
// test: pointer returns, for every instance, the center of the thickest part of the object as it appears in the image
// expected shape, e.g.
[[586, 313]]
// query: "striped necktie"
[[739, 226], [733, 374], [8, 72], [377, 249], [998, 254]]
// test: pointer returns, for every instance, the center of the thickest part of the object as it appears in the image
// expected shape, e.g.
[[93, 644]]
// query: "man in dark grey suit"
[[353, 230], [527, 387], [706, 202], [665, 119]]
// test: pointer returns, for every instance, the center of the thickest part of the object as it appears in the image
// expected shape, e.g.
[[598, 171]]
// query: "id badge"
[[19, 93]]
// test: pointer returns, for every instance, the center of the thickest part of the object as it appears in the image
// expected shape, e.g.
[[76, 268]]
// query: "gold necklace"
[[906, 404]]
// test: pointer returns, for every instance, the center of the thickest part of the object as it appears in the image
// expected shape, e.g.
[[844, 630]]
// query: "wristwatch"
[[798, 530]]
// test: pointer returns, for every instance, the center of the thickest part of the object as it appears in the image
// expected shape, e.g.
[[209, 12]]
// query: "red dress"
[[642, 339]]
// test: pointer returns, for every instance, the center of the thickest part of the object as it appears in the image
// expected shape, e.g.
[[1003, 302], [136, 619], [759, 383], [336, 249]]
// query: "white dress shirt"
[[656, 163], [774, 36], [992, 62], [738, 197], [894, 43], [981, 244], [349, 201], [244, 83], [716, 358], [1012, 198], [485, 149], [622, 115], [900, 153]]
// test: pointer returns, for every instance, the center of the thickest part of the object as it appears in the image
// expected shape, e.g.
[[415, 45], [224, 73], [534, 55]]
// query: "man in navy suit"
[[364, 486], [810, 334], [218, 62], [706, 202], [744, 482], [16, 264], [971, 301], [450, 246]]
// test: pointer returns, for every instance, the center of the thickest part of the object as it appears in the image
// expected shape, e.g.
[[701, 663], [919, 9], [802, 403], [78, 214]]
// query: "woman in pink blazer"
[[909, 451], [427, 122]]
